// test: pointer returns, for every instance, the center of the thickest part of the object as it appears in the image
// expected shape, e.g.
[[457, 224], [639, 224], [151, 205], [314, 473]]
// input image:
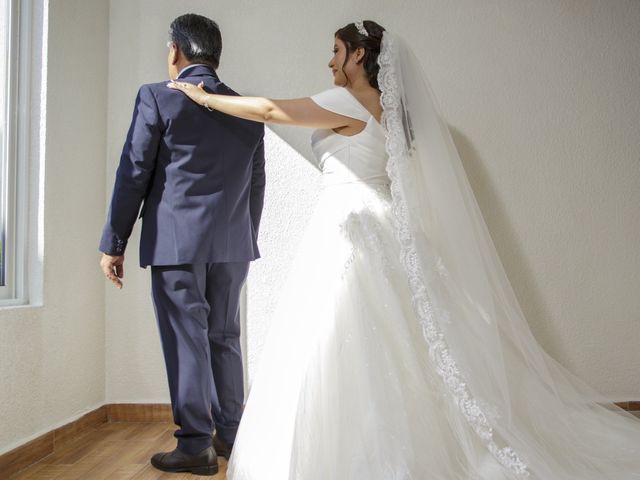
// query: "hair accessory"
[[361, 29]]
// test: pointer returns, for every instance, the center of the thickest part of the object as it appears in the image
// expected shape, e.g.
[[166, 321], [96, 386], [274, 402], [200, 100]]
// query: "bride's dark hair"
[[353, 39]]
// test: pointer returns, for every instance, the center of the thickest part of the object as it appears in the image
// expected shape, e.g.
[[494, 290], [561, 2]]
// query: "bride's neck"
[[360, 84]]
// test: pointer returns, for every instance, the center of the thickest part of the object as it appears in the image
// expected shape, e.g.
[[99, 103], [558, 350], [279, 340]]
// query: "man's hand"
[[113, 268]]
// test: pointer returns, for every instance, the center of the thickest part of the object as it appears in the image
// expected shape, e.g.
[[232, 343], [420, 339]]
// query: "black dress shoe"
[[204, 463], [222, 448]]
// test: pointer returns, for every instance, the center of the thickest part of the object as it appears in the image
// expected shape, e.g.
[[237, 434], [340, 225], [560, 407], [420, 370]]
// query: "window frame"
[[15, 153]]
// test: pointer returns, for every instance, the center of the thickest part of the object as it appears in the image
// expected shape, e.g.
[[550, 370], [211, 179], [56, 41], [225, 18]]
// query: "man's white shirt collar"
[[191, 66]]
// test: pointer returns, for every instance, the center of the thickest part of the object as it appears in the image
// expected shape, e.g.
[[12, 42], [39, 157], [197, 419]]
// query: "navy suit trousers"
[[198, 312]]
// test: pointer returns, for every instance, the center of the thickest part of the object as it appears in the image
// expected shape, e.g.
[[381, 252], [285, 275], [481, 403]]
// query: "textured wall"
[[542, 100], [52, 357]]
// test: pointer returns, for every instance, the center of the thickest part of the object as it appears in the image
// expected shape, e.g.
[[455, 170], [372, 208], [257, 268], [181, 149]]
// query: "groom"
[[201, 177]]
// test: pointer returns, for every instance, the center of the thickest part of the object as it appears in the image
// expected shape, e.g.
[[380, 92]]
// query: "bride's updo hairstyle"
[[371, 42]]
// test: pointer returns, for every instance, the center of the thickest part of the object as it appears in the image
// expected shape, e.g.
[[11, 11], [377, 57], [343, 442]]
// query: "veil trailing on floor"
[[536, 418]]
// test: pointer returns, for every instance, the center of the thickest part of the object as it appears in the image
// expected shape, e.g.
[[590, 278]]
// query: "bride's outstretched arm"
[[302, 112]]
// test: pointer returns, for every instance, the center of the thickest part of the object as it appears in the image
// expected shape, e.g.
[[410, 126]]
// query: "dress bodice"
[[359, 158]]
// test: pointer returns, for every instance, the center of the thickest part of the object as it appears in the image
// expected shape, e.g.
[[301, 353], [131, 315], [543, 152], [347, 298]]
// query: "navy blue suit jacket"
[[200, 175]]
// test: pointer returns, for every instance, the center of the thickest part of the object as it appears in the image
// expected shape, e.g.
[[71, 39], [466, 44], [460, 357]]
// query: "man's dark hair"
[[198, 38]]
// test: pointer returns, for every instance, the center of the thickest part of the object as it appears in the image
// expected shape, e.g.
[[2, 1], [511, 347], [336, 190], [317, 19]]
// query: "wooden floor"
[[113, 451]]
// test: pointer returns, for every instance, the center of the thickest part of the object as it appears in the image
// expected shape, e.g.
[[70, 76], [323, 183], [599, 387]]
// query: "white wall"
[[52, 357], [542, 100]]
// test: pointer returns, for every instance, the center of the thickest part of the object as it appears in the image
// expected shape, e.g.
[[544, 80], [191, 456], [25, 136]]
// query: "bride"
[[399, 350]]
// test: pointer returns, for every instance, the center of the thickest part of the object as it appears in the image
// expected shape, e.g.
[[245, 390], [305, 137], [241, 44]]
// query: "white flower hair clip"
[[361, 29]]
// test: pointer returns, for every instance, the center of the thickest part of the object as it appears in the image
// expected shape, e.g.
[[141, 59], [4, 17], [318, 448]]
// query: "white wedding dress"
[[356, 380], [343, 389]]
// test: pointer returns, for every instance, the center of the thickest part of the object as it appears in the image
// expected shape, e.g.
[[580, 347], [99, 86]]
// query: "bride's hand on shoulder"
[[196, 93]]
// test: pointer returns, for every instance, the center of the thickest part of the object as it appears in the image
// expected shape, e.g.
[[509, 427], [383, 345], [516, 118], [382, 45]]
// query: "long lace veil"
[[536, 418]]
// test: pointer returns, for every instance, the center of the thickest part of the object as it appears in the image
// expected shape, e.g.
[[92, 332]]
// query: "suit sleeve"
[[135, 172], [257, 187]]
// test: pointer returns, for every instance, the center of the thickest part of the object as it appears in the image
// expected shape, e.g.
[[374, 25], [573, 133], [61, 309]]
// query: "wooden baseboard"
[[26, 455], [629, 406], [37, 449], [139, 412]]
